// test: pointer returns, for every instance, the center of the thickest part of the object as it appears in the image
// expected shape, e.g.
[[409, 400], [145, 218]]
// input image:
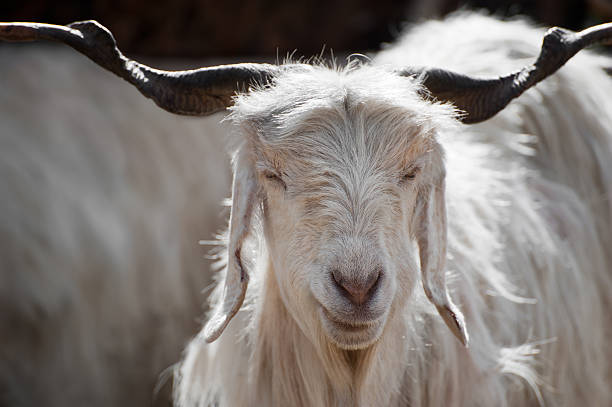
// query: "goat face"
[[348, 179], [337, 217]]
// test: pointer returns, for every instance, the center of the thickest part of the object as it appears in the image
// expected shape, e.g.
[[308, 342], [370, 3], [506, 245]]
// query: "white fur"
[[103, 200], [528, 197]]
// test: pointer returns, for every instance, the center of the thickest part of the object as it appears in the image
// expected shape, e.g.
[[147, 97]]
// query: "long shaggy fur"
[[103, 200], [529, 208]]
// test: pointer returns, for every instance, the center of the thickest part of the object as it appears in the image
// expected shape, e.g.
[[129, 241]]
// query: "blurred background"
[[206, 28], [103, 196]]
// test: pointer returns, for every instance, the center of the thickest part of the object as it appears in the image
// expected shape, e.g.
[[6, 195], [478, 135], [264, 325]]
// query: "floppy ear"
[[244, 194], [431, 238]]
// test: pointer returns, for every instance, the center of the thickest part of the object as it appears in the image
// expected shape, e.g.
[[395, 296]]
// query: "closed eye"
[[275, 178], [410, 175]]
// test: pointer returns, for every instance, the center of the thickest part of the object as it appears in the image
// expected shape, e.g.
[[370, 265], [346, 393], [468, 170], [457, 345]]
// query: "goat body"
[[348, 168], [104, 199]]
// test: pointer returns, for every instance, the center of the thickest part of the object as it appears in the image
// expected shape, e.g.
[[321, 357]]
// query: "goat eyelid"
[[275, 177], [410, 174]]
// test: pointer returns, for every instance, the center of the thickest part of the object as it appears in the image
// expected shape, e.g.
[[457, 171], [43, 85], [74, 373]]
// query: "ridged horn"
[[197, 92], [481, 99]]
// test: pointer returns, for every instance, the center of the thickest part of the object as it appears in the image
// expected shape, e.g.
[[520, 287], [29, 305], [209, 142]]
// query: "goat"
[[353, 188], [103, 202]]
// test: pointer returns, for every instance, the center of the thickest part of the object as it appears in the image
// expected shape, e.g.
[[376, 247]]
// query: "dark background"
[[204, 29]]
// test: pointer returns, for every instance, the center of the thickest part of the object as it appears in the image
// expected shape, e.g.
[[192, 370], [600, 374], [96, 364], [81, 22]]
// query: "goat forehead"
[[344, 166], [340, 136], [331, 100], [356, 146], [350, 131]]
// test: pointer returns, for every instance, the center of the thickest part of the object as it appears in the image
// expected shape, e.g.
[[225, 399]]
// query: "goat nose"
[[357, 290]]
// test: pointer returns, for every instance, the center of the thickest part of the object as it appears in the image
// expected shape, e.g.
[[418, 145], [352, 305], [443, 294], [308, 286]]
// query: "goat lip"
[[350, 335], [348, 326], [345, 325]]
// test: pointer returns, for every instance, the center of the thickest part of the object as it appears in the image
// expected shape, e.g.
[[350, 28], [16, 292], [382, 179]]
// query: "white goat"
[[349, 171], [343, 180], [103, 200]]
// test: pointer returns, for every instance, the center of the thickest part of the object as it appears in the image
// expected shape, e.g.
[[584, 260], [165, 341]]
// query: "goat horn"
[[481, 99], [196, 92]]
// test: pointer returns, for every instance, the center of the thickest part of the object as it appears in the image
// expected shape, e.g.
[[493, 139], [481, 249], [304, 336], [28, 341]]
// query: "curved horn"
[[196, 92], [481, 99]]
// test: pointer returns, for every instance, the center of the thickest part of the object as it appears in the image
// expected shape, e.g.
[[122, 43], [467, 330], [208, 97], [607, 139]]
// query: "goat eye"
[[411, 174], [275, 178]]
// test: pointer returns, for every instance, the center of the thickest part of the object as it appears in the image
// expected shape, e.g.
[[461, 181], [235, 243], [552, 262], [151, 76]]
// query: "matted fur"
[[103, 200], [529, 225]]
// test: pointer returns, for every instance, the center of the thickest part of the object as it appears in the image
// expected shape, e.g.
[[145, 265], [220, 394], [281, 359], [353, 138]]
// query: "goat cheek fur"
[[523, 199]]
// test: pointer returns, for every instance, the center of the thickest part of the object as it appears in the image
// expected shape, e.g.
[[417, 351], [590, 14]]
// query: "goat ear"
[[431, 238], [244, 194]]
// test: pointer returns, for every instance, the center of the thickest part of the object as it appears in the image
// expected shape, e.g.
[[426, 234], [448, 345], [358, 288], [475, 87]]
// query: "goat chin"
[[528, 221]]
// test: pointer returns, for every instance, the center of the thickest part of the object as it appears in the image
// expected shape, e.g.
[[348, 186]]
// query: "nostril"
[[337, 277], [358, 290], [374, 280], [341, 284]]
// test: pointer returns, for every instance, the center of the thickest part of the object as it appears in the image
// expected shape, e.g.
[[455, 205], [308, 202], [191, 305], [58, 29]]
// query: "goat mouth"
[[347, 325], [350, 335]]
